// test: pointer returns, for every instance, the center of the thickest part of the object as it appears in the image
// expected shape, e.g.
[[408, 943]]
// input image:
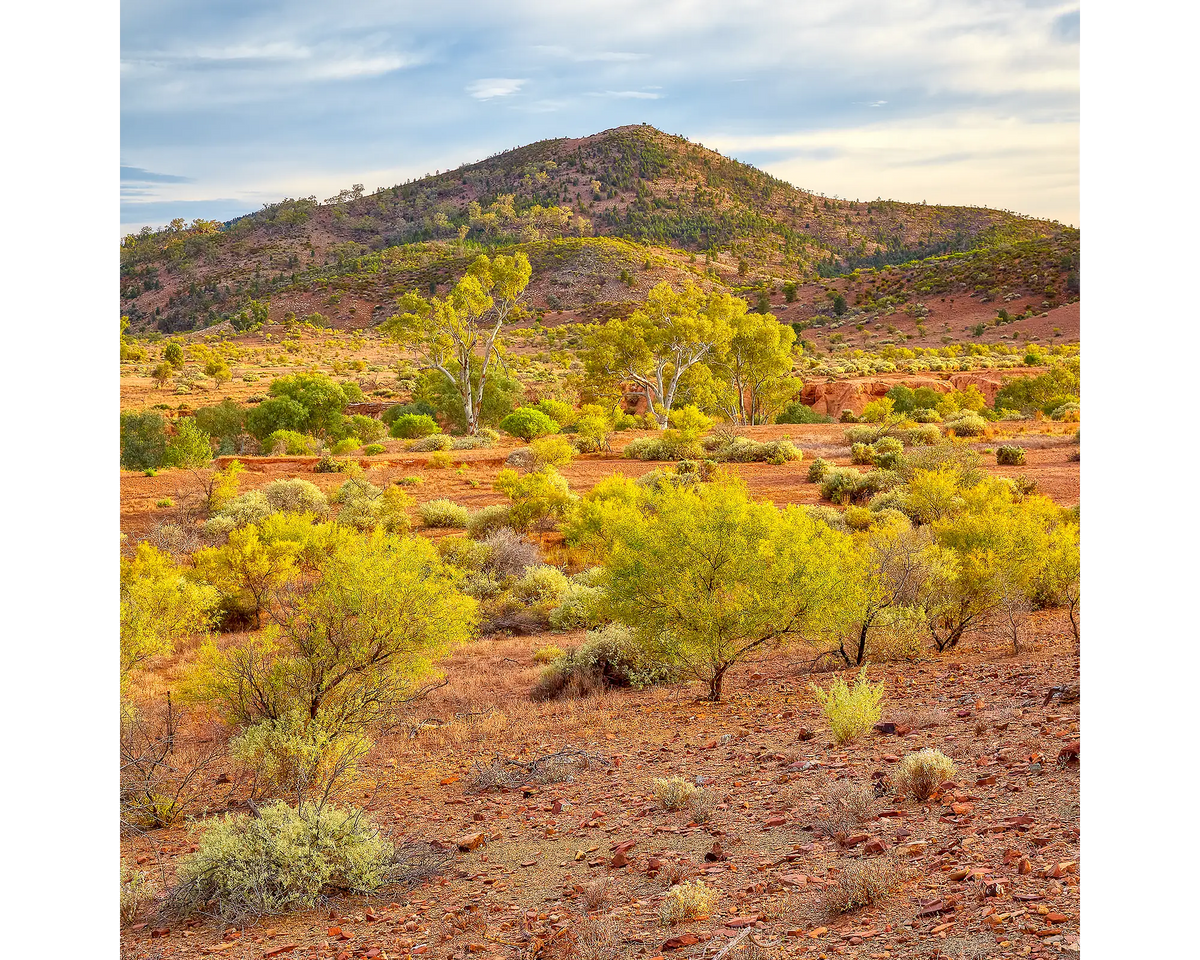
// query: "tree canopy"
[[458, 335]]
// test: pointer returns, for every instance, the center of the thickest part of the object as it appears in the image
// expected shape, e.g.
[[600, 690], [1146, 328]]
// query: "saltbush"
[[1010, 456], [280, 859], [443, 513], [412, 426], [487, 520], [437, 441], [608, 657], [840, 484], [818, 469], [967, 425], [295, 496]]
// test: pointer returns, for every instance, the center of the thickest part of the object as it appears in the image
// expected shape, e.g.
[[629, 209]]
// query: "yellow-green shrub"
[[688, 901], [851, 710]]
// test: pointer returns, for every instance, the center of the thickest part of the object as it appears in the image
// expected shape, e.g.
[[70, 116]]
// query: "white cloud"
[[972, 159], [628, 94], [492, 87]]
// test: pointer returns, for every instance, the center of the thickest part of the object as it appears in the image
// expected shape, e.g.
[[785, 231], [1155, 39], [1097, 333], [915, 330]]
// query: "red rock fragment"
[[469, 842]]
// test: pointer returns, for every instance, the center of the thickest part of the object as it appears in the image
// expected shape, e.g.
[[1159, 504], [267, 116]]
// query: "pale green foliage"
[[542, 584], [850, 710], [919, 774], [488, 519], [579, 606], [296, 495], [745, 450], [967, 425], [282, 859], [438, 441], [443, 513], [159, 606], [250, 507], [609, 656], [710, 577]]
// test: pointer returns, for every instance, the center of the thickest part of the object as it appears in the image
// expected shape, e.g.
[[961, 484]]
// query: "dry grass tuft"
[[597, 893], [688, 901], [849, 805], [598, 938], [920, 774], [673, 793], [861, 884]]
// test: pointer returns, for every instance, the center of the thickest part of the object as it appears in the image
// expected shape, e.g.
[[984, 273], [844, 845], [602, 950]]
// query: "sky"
[[229, 105]]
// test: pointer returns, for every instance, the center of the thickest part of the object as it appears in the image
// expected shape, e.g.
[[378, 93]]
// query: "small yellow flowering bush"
[[851, 710], [688, 901]]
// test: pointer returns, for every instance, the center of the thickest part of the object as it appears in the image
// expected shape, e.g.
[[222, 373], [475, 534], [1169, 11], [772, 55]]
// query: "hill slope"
[[602, 217]]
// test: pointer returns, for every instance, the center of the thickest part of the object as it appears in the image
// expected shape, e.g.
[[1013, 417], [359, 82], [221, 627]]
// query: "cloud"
[[975, 159], [491, 87], [290, 97], [1066, 27], [628, 94], [138, 175], [603, 56]]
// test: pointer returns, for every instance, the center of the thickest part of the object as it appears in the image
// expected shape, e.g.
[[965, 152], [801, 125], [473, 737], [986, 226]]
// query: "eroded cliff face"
[[833, 396]]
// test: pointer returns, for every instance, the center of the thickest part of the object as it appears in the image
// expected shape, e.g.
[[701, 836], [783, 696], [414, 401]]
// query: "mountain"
[[602, 219]]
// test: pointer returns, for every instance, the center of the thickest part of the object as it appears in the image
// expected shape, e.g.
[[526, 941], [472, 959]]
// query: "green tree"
[[323, 399], [173, 354], [218, 369], [458, 335], [839, 304], [379, 615], [756, 365], [276, 413], [190, 448], [660, 342], [500, 395], [143, 440], [709, 578], [162, 374]]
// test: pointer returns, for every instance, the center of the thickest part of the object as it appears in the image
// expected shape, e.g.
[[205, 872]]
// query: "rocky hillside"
[[602, 217]]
